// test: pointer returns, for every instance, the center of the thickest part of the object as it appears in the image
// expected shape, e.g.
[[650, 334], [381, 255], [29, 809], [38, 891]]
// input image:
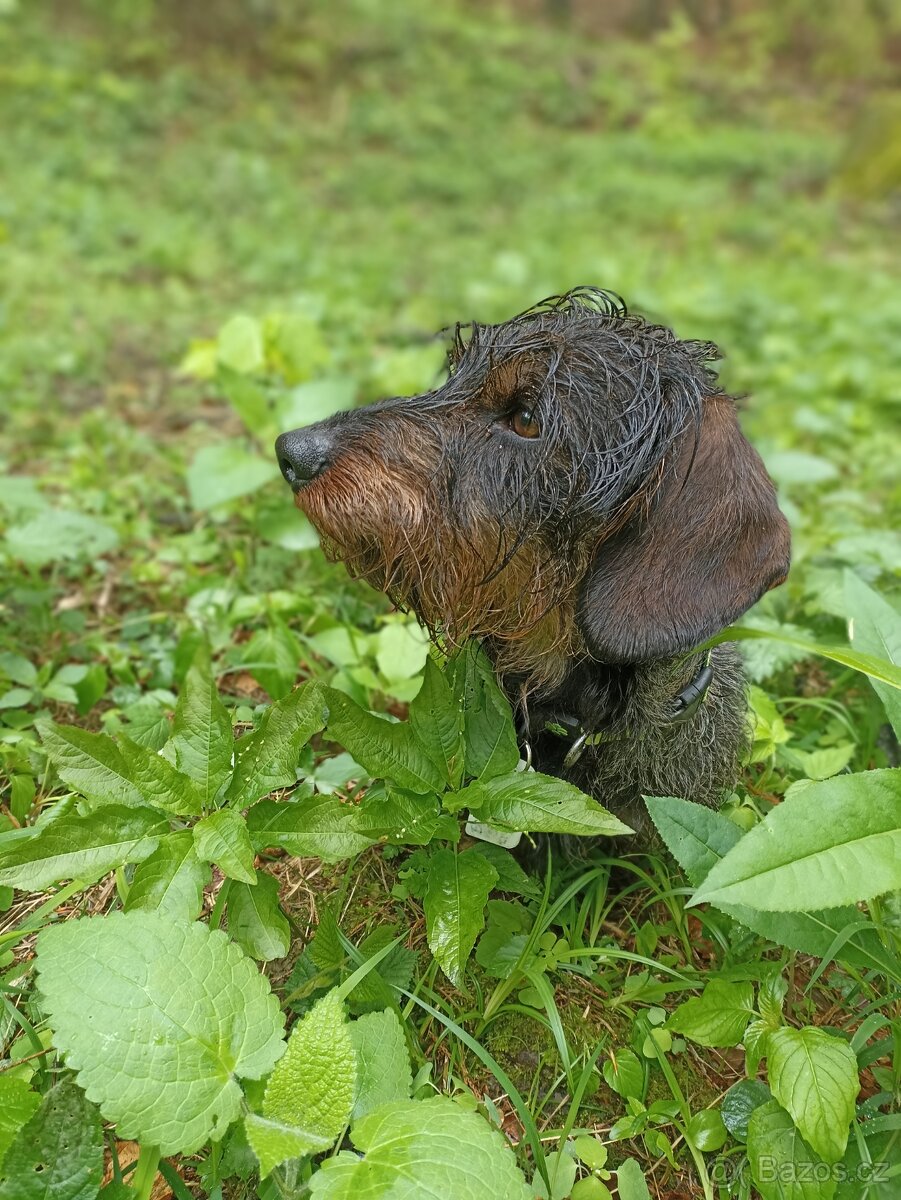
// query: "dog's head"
[[579, 484]]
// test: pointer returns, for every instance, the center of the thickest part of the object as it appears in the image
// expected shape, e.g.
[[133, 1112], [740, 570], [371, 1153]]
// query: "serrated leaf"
[[402, 818], [267, 758], [383, 1061], [718, 1016], [814, 1077], [455, 898], [388, 750], [836, 842], [510, 875], [58, 1154], [173, 1005], [875, 628], [171, 880], [158, 781], [90, 763], [255, 920], [490, 744], [423, 1148], [530, 802], [783, 1167], [698, 837], [17, 1105], [315, 825], [271, 656], [437, 720], [202, 739], [76, 847], [223, 838], [310, 1094]]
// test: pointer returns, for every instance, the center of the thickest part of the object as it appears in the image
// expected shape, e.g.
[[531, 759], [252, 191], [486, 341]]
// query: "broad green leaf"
[[17, 668], [741, 1100], [312, 1089], [158, 781], [76, 847], [437, 720], [174, 1006], [315, 401], [706, 1131], [56, 534], [255, 920], [171, 880], [225, 471], [455, 898], [90, 763], [813, 1075], [510, 875], [17, 697], [398, 817], [536, 803], [413, 1149], [506, 934], [624, 1073], [266, 759], [223, 838], [718, 1016], [699, 837], [239, 345], [272, 656], [490, 745], [867, 664], [387, 749], [319, 826], [202, 739], [875, 628], [561, 1170], [836, 842], [783, 1167], [58, 1154], [383, 1061], [630, 1181], [17, 1105]]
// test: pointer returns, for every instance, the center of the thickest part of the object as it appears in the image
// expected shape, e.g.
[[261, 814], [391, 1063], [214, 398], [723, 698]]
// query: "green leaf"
[[315, 401], [437, 720], [310, 1094], [56, 534], [415, 1149], [225, 471], [76, 847], [255, 920], [157, 780], [536, 803], [319, 826], [505, 937], [813, 1075], [698, 837], [171, 880], [239, 345], [624, 1073], [875, 628], [90, 763], [18, 669], [630, 1181], [58, 1154], [202, 739], [783, 1167], [271, 656], [561, 1170], [266, 759], [388, 750], [172, 1006], [383, 1062], [17, 1104], [223, 838], [490, 745], [398, 817], [706, 1131], [741, 1100], [718, 1016], [16, 697], [836, 842], [458, 888], [868, 664], [510, 875]]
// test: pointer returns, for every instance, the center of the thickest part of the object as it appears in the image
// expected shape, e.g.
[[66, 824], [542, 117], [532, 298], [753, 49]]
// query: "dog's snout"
[[303, 454]]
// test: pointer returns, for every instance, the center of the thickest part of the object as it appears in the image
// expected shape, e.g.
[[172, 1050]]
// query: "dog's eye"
[[525, 423]]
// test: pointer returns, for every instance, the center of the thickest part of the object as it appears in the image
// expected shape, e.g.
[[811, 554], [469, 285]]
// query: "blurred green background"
[[218, 220]]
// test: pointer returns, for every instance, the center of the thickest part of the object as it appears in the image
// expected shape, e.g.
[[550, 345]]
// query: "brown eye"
[[525, 423]]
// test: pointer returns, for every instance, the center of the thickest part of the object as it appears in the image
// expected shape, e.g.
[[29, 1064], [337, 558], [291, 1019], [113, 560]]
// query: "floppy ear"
[[711, 544]]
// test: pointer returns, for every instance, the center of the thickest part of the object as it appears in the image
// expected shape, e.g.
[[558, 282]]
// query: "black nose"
[[302, 454]]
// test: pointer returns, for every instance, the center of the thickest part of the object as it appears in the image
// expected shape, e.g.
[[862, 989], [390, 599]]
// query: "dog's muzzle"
[[303, 455]]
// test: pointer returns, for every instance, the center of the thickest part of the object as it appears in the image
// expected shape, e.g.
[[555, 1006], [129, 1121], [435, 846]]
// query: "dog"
[[579, 497]]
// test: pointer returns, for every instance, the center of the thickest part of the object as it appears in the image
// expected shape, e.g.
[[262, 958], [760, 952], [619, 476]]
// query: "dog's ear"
[[711, 543]]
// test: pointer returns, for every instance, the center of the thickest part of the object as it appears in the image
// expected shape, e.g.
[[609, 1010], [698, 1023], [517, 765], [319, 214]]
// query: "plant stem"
[[145, 1171]]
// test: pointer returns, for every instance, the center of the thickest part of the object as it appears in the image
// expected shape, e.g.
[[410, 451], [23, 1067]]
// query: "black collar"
[[683, 708]]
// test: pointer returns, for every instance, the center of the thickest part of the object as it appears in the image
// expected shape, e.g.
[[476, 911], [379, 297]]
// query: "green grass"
[[378, 172]]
